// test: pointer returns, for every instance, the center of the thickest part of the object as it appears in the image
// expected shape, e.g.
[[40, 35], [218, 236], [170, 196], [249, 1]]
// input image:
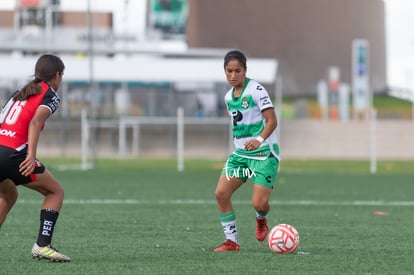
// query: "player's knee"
[[218, 195], [59, 190], [56, 189], [8, 194], [221, 195]]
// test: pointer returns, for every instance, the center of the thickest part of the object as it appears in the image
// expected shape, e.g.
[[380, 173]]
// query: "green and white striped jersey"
[[248, 121]]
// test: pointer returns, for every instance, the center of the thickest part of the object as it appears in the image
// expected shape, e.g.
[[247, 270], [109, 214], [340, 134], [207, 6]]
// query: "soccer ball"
[[283, 239]]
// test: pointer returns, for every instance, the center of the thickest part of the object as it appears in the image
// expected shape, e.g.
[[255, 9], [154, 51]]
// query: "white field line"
[[213, 202]]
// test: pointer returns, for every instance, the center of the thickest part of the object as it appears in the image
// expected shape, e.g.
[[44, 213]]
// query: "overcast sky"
[[400, 42]]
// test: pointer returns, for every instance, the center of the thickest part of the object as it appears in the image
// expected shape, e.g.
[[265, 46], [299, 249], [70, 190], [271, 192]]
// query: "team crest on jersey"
[[245, 103]]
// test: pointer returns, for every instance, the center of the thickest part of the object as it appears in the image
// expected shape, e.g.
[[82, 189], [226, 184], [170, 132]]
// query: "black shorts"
[[10, 160]]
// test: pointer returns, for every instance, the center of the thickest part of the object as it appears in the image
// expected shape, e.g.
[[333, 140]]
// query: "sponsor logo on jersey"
[[7, 133], [54, 103], [265, 100], [243, 136]]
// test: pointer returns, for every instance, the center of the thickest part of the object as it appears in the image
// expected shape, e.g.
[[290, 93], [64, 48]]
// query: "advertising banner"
[[169, 16], [360, 75]]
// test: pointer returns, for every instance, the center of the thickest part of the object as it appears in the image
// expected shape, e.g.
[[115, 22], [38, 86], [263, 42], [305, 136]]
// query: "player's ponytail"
[[31, 88], [45, 70]]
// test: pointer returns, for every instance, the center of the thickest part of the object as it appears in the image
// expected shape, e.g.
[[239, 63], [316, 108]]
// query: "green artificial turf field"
[[144, 217]]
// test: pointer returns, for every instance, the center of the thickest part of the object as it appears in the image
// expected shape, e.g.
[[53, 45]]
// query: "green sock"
[[228, 223], [261, 215]]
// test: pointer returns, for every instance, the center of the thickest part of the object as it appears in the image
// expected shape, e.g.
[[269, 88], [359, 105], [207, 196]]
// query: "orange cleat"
[[229, 245], [261, 229]]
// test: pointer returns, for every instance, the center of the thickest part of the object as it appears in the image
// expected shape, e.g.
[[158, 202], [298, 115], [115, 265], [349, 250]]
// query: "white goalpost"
[[85, 165], [85, 148], [373, 143], [134, 123]]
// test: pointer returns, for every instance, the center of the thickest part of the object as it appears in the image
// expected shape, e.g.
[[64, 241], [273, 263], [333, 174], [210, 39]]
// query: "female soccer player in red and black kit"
[[21, 120]]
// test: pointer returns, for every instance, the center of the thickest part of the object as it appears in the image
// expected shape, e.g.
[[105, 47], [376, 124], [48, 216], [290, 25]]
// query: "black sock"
[[48, 219]]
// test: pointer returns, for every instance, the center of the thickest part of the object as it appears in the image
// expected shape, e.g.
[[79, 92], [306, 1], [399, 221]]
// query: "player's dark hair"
[[235, 55], [45, 70]]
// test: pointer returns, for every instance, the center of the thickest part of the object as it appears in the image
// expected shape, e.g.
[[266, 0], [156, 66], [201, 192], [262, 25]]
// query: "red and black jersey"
[[15, 116]]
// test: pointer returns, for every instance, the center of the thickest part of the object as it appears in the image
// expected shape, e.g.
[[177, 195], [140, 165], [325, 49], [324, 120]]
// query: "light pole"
[[92, 89]]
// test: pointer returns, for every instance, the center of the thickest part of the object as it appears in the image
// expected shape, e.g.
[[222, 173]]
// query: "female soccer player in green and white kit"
[[256, 153]]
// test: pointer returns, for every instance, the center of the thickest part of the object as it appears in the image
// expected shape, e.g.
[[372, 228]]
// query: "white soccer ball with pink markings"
[[283, 239]]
